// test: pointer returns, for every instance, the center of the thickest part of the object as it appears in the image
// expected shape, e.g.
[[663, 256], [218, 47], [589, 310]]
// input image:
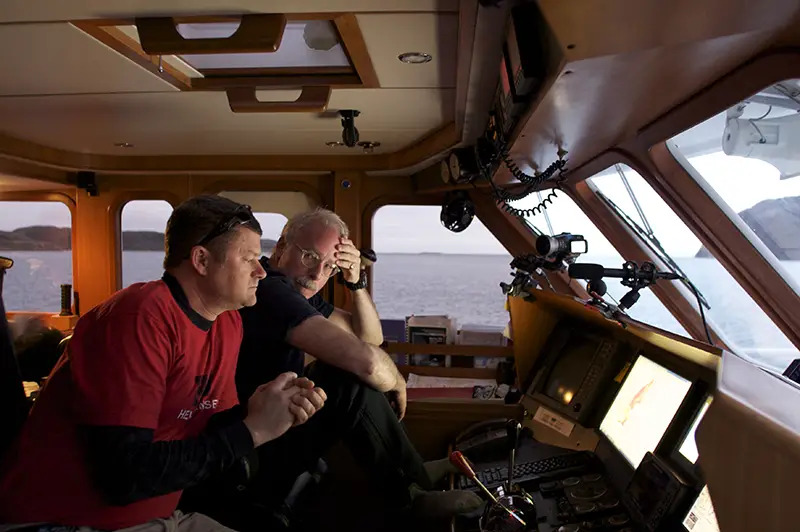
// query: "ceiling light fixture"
[[123, 145], [415, 58], [368, 145]]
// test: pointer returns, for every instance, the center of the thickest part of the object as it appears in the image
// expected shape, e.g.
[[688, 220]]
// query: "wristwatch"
[[362, 282]]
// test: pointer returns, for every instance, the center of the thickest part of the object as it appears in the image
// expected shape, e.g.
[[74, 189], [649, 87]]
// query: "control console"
[[581, 503], [656, 493]]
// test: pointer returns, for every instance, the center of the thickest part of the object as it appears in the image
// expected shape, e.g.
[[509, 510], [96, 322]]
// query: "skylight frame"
[[360, 72]]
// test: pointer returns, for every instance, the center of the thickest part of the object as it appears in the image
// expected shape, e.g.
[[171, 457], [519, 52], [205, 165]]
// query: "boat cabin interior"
[[635, 165]]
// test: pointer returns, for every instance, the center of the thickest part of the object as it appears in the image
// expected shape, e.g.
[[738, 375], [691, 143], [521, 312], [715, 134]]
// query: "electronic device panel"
[[522, 68], [701, 516], [688, 447], [643, 409], [576, 373], [654, 493]]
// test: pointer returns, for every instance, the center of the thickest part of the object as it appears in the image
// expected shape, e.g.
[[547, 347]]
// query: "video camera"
[[564, 247], [555, 253]]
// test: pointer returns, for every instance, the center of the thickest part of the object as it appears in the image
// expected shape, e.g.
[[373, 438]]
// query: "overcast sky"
[[412, 229]]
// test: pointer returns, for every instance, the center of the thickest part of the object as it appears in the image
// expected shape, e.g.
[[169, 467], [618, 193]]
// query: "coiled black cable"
[[533, 211], [528, 179], [533, 183], [503, 197]]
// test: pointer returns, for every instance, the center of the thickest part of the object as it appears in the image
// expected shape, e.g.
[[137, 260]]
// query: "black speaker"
[[86, 181], [457, 211]]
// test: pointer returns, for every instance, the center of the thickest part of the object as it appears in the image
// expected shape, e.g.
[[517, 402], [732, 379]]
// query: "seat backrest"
[[13, 404]]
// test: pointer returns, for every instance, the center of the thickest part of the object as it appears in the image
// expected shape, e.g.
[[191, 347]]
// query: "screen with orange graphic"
[[643, 409]]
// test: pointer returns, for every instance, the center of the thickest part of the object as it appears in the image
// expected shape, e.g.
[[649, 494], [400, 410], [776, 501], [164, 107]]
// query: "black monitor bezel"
[[558, 338], [678, 430]]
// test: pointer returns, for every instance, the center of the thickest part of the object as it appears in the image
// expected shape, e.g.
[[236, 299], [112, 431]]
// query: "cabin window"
[[271, 226], [564, 216], [143, 224], [37, 236], [746, 328], [749, 155], [424, 269]]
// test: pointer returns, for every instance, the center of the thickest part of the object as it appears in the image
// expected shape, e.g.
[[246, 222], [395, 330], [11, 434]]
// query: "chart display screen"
[[643, 409]]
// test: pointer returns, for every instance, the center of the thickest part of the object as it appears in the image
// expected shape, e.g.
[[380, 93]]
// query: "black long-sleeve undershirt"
[[128, 466]]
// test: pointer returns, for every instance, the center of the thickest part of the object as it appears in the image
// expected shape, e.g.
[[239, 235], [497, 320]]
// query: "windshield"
[[744, 326], [563, 215], [748, 157]]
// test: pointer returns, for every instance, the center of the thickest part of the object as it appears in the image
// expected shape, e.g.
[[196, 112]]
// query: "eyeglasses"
[[312, 261], [242, 215]]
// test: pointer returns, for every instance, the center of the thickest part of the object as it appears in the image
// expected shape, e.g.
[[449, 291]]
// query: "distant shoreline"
[[50, 238]]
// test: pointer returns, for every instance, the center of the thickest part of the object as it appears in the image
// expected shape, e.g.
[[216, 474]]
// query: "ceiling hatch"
[[218, 53]]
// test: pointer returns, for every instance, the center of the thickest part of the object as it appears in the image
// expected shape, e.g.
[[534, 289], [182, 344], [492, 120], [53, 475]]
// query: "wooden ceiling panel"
[[217, 141], [389, 35], [61, 10], [60, 59], [598, 103], [202, 123], [603, 27]]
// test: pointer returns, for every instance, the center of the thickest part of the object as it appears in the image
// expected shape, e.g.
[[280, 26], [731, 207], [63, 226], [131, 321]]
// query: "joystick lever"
[[460, 461], [513, 429]]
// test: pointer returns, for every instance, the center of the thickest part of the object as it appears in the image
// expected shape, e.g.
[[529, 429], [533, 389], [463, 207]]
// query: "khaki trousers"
[[177, 522]]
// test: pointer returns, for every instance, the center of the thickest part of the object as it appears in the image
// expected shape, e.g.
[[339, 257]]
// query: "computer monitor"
[[689, 447], [566, 375], [643, 409], [576, 369], [701, 516]]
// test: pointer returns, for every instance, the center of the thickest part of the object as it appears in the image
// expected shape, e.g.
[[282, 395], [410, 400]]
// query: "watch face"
[[455, 166]]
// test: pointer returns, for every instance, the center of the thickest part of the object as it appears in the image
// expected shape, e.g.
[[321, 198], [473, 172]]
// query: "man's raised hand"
[[348, 258]]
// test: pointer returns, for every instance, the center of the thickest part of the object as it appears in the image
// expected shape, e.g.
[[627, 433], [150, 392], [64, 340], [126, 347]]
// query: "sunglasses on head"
[[242, 215]]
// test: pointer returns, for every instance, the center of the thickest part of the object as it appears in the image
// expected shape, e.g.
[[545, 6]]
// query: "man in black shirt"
[[289, 319]]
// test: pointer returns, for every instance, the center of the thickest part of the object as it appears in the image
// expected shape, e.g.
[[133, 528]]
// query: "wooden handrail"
[[256, 33], [311, 100], [450, 349]]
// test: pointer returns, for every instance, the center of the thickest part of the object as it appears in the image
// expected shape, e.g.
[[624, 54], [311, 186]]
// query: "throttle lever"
[[461, 462], [513, 428]]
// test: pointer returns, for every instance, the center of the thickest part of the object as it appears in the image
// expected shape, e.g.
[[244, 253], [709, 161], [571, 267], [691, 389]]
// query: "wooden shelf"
[[450, 349], [56, 321], [437, 371]]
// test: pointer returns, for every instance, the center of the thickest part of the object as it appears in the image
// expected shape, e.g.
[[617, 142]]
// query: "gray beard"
[[306, 283]]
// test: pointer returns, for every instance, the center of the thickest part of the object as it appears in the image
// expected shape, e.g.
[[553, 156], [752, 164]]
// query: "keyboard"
[[527, 471]]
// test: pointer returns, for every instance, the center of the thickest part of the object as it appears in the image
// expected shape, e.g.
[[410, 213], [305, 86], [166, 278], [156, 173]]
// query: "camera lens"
[[543, 245]]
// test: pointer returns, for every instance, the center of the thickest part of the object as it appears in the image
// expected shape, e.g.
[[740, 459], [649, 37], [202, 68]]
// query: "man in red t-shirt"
[[145, 404]]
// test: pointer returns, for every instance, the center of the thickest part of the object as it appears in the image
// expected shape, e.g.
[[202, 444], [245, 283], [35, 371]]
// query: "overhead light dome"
[[320, 35]]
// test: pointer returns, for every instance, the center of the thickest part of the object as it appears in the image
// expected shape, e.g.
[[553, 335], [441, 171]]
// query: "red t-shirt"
[[135, 360]]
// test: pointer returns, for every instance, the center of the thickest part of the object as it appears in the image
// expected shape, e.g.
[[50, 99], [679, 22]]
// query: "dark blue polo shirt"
[[264, 353]]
